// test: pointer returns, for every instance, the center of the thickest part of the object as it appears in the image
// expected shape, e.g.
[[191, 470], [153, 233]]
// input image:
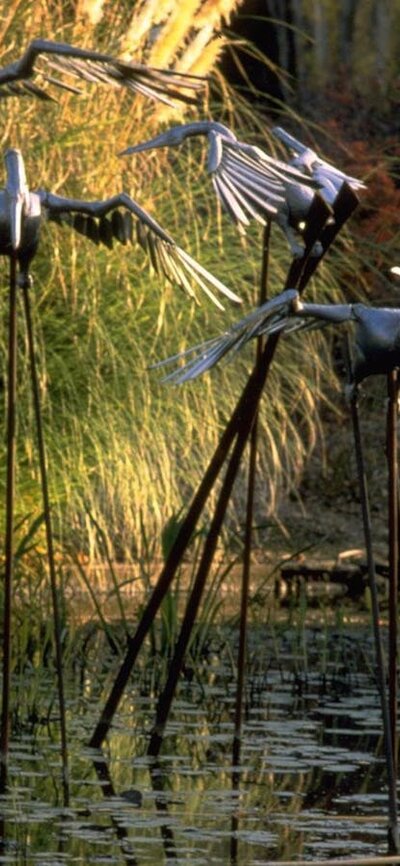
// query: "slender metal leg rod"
[[248, 536], [393, 506], [244, 599], [393, 836], [9, 528], [49, 542]]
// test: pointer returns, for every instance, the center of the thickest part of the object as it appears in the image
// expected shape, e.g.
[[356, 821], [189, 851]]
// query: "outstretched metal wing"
[[248, 186], [43, 56], [275, 315], [376, 339], [307, 160], [120, 218]]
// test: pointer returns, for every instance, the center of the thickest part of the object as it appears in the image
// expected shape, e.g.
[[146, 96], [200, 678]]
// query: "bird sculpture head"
[[176, 135]]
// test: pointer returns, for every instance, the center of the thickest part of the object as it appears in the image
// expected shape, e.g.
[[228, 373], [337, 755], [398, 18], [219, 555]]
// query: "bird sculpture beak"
[[163, 140], [17, 190]]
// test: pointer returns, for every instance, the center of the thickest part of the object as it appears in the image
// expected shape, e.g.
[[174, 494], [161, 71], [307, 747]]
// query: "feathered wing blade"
[[275, 315], [43, 55], [323, 172], [326, 173], [246, 188], [24, 88], [112, 219], [289, 140]]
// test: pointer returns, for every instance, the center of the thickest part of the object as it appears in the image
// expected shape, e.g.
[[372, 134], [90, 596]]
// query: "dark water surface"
[[312, 772]]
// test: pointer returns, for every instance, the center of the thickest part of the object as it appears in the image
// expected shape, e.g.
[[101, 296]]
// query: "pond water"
[[312, 771]]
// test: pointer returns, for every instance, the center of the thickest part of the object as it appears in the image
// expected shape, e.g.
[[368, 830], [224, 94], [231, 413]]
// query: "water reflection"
[[311, 781]]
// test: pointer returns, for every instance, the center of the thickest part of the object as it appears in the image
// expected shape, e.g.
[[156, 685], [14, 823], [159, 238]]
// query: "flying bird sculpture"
[[376, 345], [118, 218], [43, 57], [248, 182]]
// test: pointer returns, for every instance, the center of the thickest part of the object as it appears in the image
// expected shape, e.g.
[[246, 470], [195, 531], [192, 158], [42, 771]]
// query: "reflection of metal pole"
[[49, 540], [107, 787], [9, 529], [167, 833], [393, 837], [393, 391]]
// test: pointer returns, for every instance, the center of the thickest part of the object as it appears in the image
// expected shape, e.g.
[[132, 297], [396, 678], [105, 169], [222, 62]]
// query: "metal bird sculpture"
[[102, 222], [248, 182], [43, 56], [377, 335], [327, 176], [251, 184]]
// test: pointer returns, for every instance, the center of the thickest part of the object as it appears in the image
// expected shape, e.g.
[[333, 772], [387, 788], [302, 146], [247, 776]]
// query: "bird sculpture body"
[[117, 218], [249, 183], [43, 57], [376, 346]]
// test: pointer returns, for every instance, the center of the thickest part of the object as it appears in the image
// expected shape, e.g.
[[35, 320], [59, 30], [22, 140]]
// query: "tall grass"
[[122, 446]]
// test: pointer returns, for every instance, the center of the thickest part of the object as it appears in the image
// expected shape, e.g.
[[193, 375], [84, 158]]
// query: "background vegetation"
[[125, 452]]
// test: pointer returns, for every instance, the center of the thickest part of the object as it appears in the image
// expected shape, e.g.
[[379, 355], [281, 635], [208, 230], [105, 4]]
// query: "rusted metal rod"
[[393, 834], [9, 529], [393, 522], [248, 537], [195, 596], [49, 542]]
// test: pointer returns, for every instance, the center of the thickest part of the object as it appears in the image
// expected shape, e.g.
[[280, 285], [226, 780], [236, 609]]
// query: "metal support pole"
[[393, 507], [244, 598], [49, 542], [9, 529], [248, 535], [393, 835]]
